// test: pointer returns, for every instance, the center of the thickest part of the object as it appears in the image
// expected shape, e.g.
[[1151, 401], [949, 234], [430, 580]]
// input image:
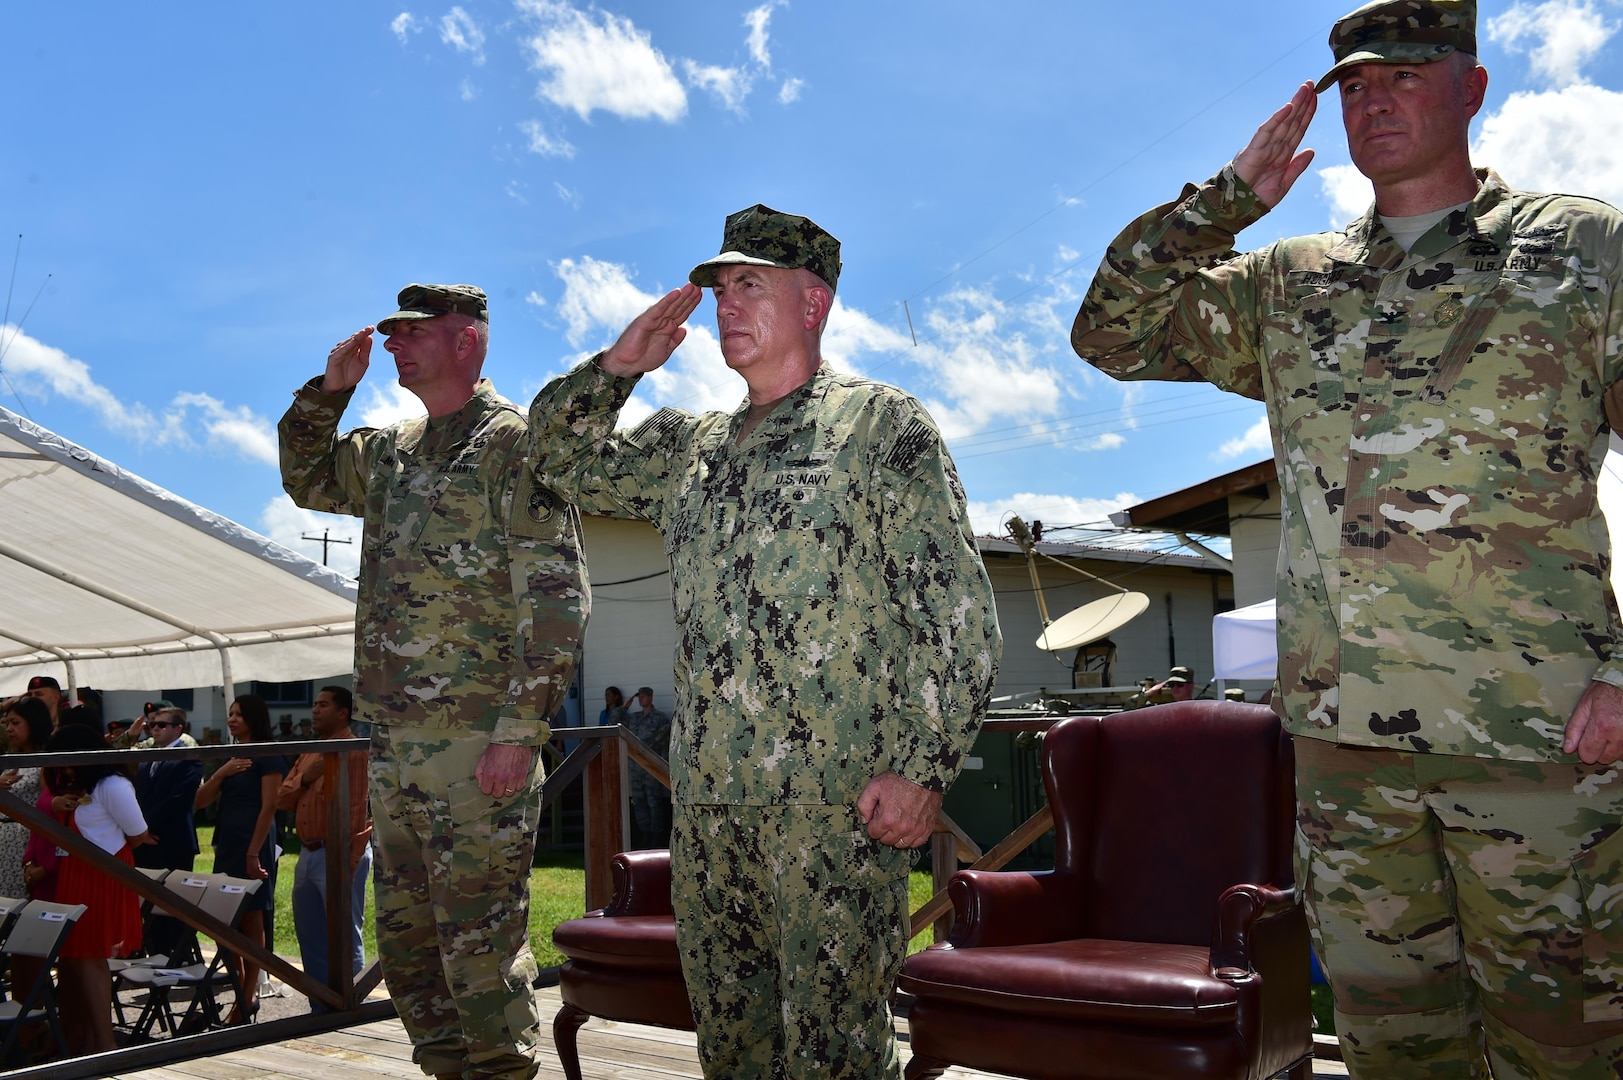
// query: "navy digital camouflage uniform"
[[473, 598], [1439, 421], [834, 621]]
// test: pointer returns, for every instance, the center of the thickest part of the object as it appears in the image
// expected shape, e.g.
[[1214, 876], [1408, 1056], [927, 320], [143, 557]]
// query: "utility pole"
[[324, 540]]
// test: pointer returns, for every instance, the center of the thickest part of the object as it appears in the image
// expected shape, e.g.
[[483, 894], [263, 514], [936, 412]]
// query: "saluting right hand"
[[348, 361], [652, 336], [1270, 163]]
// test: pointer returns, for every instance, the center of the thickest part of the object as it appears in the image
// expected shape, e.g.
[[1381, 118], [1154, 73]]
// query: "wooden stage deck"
[[609, 1051]]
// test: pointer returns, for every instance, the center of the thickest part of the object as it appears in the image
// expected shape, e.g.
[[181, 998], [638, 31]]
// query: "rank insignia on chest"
[[1450, 311], [542, 504]]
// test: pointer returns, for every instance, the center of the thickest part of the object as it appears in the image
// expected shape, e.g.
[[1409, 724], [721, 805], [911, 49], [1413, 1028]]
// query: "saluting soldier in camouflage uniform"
[[837, 645], [472, 601], [1440, 381]]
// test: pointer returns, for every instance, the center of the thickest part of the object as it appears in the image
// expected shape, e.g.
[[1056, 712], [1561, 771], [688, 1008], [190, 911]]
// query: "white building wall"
[[1254, 533], [631, 637]]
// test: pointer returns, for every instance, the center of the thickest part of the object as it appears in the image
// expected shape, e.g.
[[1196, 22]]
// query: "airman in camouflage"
[[1440, 381], [837, 645], [473, 598]]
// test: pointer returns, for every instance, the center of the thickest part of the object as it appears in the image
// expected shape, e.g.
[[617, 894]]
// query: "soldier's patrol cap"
[[1233, 693], [1187, 673], [1401, 32], [432, 301], [762, 236]]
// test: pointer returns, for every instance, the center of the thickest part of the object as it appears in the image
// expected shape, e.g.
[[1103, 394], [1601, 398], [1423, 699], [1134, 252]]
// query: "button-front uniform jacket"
[[834, 619], [1439, 420], [473, 595]]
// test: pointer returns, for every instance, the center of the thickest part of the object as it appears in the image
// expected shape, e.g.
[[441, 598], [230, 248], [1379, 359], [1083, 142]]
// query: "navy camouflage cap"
[[1401, 32], [762, 236], [432, 301]]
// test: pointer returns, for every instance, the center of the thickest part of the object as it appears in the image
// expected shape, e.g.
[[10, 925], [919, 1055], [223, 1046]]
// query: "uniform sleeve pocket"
[[1599, 871]]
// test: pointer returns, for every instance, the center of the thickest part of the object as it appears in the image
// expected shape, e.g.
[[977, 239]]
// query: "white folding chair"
[[135, 974], [38, 930], [223, 898]]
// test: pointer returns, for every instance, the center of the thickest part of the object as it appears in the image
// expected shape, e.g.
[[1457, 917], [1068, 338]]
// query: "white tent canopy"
[[1244, 643], [109, 581]]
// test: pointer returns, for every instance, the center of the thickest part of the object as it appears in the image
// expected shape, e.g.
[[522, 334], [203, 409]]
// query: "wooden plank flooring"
[[608, 1051]]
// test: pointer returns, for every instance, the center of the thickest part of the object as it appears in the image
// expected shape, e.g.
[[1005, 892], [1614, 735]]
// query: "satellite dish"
[[1092, 621]]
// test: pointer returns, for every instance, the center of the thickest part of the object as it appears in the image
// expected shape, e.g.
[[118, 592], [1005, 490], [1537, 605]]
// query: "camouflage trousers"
[[1467, 911], [791, 924], [452, 879]]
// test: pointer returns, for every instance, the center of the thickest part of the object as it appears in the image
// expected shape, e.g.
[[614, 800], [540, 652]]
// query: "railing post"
[[608, 826], [943, 864], [340, 878]]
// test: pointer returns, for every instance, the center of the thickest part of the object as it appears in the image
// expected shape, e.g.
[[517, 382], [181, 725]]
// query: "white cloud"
[[600, 299], [730, 86], [188, 421], [1253, 441], [535, 299], [789, 92], [852, 334], [43, 369], [988, 518], [994, 363], [1110, 440], [469, 91], [605, 63], [544, 144], [387, 403], [1066, 254], [1347, 191], [239, 431], [757, 20], [289, 524], [515, 191], [458, 30], [989, 368], [1568, 140], [1559, 37], [404, 25], [573, 198]]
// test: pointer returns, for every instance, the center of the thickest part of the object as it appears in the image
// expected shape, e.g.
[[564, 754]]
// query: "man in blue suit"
[[165, 791]]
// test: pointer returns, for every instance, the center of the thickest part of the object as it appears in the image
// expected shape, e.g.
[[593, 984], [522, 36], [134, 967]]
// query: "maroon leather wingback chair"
[[1167, 941], [622, 960]]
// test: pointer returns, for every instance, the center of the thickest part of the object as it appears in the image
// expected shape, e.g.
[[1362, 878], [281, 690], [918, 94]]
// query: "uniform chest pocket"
[[797, 535], [455, 534]]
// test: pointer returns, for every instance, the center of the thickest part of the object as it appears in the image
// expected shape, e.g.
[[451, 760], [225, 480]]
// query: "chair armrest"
[[642, 884], [1245, 916], [1000, 908]]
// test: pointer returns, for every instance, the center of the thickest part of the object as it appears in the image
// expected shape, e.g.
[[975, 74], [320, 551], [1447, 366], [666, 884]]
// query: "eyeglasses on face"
[[162, 723]]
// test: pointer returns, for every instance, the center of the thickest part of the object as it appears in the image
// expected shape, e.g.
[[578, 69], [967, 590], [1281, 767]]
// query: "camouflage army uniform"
[[1438, 423], [472, 601], [650, 800], [834, 622]]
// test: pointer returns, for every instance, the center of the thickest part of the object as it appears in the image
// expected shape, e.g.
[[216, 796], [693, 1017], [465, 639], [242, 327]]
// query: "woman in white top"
[[100, 800]]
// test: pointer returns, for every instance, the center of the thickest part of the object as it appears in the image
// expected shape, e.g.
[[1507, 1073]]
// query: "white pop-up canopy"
[[109, 581], [1244, 643]]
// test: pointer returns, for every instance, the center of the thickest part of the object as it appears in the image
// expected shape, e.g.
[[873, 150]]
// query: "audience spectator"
[[167, 793], [246, 789], [28, 726], [650, 800], [305, 793], [100, 805]]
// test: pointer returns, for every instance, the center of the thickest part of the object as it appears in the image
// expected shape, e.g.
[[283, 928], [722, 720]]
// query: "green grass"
[[557, 894]]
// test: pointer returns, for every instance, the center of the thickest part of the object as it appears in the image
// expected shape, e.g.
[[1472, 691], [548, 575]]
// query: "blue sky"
[[221, 192]]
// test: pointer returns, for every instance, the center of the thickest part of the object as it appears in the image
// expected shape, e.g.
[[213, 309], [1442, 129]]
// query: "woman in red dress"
[[100, 803]]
